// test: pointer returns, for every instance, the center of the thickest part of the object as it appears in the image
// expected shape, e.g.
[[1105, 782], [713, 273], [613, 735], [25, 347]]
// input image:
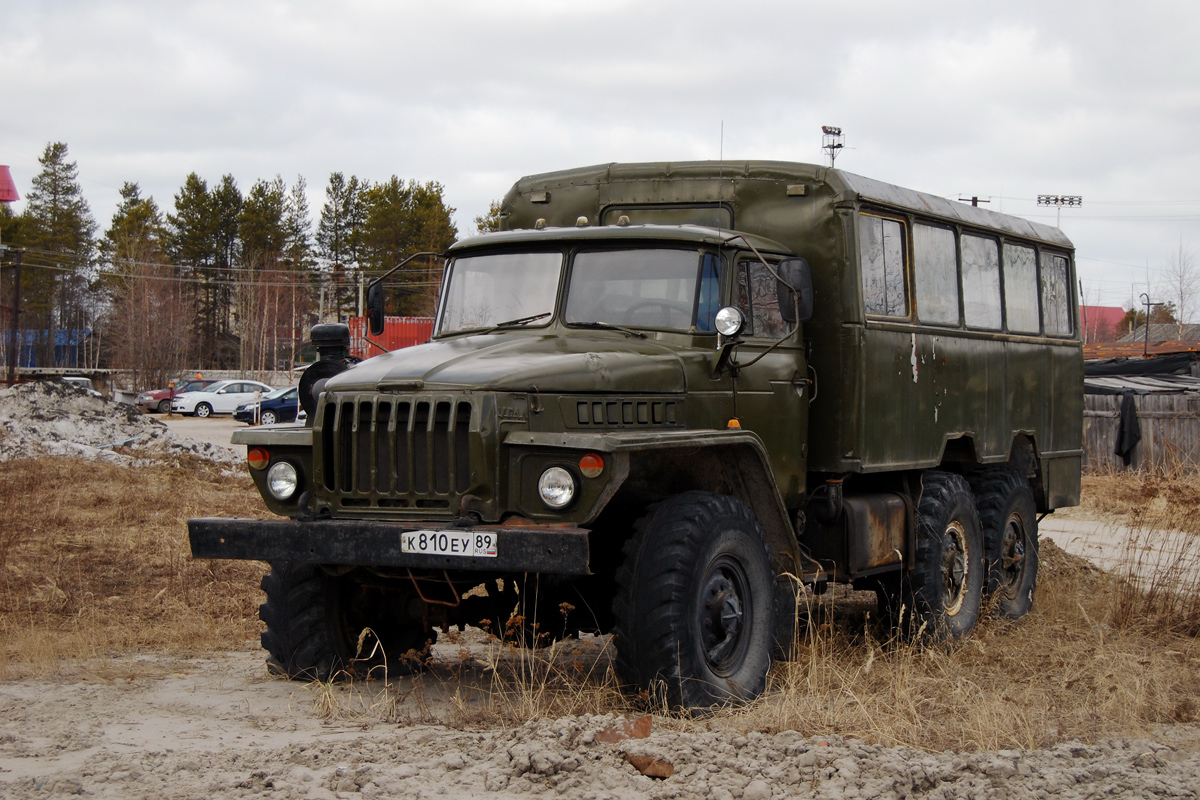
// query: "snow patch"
[[57, 419]]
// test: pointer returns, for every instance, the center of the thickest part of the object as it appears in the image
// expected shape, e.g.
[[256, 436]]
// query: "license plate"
[[450, 543]]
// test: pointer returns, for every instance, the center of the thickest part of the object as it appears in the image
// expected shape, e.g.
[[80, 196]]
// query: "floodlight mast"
[[832, 142], [1059, 200]]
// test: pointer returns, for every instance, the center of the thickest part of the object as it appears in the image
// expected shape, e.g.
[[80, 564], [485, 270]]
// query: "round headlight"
[[556, 487], [282, 480], [730, 321]]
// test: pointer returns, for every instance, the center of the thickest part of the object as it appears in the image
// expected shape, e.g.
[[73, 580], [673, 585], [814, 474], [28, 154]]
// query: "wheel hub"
[[1012, 556], [722, 619], [954, 568]]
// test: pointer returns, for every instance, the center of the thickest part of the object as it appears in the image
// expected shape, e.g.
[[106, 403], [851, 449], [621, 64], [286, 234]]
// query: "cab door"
[[771, 396]]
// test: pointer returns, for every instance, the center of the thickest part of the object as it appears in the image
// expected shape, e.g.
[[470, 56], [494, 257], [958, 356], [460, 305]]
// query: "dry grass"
[[1080, 666], [98, 565], [95, 562]]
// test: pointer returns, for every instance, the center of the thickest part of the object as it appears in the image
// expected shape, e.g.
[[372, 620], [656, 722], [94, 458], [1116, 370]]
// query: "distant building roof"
[[1165, 331]]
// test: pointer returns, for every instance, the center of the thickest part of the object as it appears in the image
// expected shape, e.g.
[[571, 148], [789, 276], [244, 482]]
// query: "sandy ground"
[[219, 727], [1151, 554], [214, 430]]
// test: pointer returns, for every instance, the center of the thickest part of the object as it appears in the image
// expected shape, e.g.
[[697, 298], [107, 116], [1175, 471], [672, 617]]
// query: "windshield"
[[483, 291], [214, 387], [275, 395], [652, 288]]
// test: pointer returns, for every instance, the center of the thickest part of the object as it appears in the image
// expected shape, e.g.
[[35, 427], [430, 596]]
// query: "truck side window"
[[1056, 298], [1020, 289], [935, 275], [881, 254], [981, 282], [758, 299], [709, 301]]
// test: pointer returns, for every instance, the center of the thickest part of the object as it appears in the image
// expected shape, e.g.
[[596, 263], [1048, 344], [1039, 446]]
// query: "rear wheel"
[[204, 410], [694, 611], [315, 622], [946, 583], [1008, 515]]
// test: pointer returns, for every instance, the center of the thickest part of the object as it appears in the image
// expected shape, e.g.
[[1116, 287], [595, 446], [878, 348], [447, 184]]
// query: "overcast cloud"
[[1001, 100]]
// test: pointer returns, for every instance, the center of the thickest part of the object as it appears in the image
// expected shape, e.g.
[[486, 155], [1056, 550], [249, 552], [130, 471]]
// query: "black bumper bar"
[[557, 550]]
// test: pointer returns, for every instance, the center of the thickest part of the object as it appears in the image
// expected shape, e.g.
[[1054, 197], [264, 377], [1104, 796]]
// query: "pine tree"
[[59, 232], [489, 222], [203, 241], [402, 219], [339, 234]]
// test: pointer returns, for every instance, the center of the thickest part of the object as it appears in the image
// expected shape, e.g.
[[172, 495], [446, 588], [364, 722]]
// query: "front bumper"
[[529, 548]]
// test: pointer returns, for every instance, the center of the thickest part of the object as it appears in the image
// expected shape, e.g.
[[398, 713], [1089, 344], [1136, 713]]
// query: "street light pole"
[[1146, 301]]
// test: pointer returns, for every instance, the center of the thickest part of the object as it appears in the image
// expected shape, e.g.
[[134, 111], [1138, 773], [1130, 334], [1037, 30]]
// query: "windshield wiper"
[[608, 326], [522, 320], [506, 324]]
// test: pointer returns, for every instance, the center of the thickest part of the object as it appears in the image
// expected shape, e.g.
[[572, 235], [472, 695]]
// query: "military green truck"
[[663, 402]]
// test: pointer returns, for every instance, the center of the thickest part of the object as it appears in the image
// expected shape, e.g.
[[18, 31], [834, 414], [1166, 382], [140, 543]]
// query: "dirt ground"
[[219, 727]]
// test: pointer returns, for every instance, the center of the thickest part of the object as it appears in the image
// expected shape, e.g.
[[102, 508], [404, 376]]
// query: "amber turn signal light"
[[258, 457], [591, 465]]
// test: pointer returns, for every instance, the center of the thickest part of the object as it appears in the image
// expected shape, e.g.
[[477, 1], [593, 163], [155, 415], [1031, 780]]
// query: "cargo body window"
[[881, 253], [1020, 289], [1056, 295], [981, 282], [758, 299], [935, 275]]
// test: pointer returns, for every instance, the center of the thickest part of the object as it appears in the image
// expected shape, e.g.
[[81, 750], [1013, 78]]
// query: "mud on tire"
[[695, 603], [1008, 516], [945, 587]]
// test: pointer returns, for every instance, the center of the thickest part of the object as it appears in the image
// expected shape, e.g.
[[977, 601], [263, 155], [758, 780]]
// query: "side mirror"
[[375, 308], [797, 276]]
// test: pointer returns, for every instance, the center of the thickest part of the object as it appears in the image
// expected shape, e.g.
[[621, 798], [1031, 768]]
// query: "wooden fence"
[[1170, 426]]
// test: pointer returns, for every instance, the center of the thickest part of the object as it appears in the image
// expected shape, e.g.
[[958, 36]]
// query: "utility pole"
[[8, 194], [1148, 304], [1059, 200], [14, 342], [975, 201]]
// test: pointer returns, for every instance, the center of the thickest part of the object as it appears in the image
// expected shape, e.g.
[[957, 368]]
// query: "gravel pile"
[[57, 419]]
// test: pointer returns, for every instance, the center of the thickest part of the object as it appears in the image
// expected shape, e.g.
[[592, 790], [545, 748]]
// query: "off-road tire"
[[267, 418], [945, 587], [1008, 516], [203, 410], [164, 406], [314, 620], [695, 603]]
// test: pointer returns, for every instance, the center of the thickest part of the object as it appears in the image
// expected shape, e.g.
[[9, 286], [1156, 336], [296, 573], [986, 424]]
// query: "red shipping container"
[[398, 332]]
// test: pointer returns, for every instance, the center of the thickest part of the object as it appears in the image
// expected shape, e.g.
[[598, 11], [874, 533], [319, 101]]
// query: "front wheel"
[[268, 418], [946, 584], [694, 611], [164, 406], [204, 410], [315, 622]]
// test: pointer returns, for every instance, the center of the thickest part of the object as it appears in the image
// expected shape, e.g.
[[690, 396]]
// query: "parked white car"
[[222, 397]]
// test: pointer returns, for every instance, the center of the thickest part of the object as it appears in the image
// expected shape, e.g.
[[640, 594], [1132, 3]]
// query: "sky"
[[1004, 101]]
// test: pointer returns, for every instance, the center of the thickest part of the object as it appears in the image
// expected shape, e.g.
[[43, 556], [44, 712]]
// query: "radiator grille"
[[391, 451]]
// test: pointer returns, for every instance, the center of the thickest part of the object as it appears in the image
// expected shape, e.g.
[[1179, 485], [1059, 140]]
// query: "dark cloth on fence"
[[1129, 430]]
